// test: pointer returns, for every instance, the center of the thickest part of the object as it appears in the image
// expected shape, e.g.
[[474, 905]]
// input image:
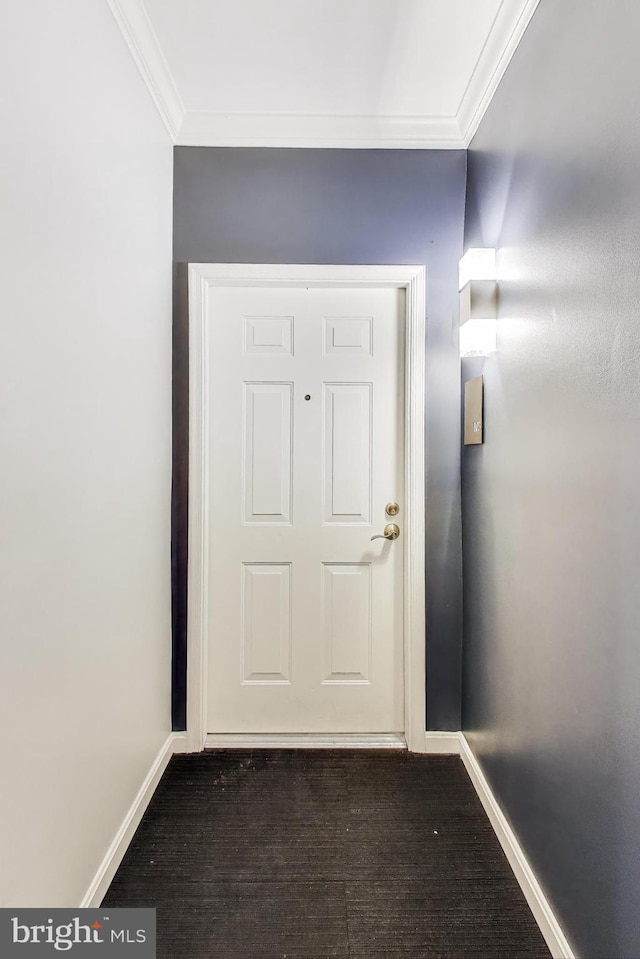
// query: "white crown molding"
[[329, 131], [133, 20], [506, 33], [300, 130]]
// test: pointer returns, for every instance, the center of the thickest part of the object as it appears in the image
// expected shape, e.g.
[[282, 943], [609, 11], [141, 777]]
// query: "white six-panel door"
[[305, 449]]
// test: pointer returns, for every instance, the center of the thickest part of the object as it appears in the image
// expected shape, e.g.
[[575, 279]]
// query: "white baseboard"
[[305, 741], [538, 903], [115, 852], [442, 743], [451, 743], [180, 743]]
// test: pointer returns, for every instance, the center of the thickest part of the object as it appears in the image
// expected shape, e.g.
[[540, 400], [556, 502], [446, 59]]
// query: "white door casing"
[[227, 539]]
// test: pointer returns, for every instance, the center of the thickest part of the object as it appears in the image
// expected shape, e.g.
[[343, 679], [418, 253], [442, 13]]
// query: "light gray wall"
[[551, 520], [355, 206], [85, 432]]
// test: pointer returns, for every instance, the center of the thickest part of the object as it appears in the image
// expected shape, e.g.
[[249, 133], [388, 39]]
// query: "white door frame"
[[202, 278]]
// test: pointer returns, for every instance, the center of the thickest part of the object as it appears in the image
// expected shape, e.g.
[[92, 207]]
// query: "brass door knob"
[[391, 531]]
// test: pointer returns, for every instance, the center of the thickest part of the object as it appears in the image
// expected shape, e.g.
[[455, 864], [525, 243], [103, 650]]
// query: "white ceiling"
[[354, 73]]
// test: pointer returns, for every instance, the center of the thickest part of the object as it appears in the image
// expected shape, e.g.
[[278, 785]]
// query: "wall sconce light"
[[478, 302]]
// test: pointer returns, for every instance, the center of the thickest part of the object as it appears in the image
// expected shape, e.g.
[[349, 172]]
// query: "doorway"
[[306, 424]]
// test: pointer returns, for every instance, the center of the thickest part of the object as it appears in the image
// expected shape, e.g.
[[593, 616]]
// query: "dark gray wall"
[[551, 523], [355, 206]]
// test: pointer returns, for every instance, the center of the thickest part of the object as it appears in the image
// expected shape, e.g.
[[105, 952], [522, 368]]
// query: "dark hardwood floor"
[[310, 854]]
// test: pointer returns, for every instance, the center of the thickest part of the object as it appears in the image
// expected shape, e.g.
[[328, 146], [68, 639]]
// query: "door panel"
[[347, 452], [346, 622], [267, 467], [305, 449], [266, 622]]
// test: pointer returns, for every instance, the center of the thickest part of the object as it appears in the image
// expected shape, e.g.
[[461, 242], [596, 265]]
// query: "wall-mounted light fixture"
[[478, 302]]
